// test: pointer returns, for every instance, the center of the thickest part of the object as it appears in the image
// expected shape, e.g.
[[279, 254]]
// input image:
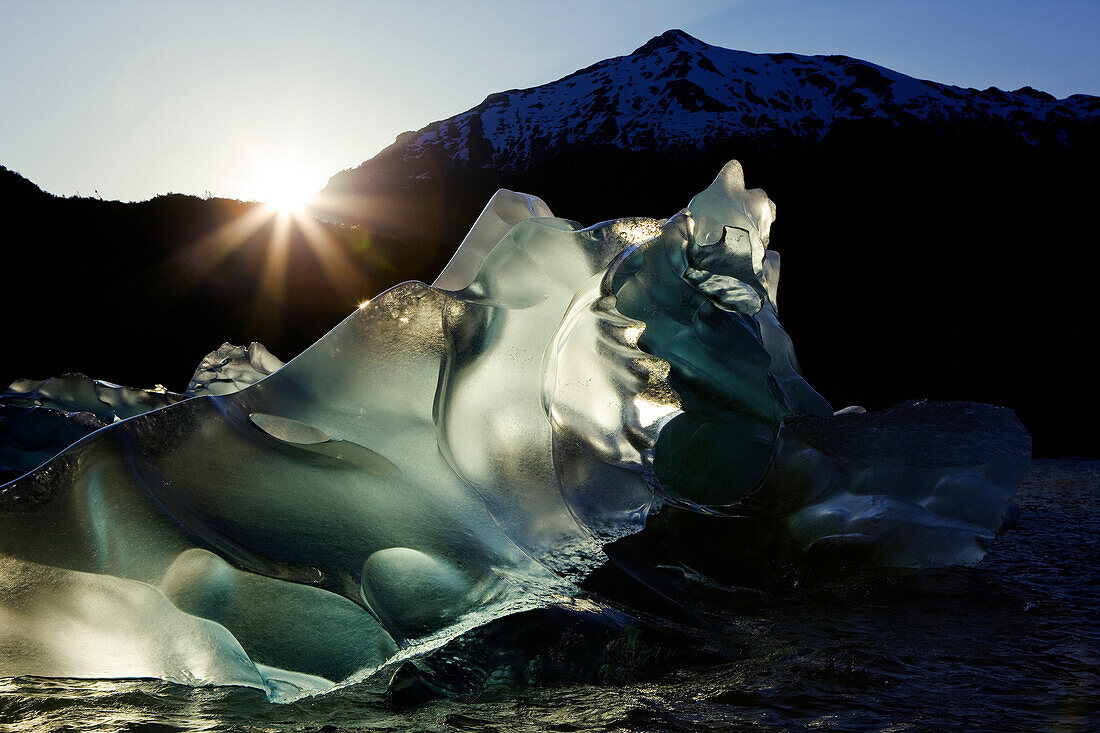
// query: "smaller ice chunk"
[[886, 531], [969, 498], [922, 484], [76, 392], [231, 368], [39, 418]]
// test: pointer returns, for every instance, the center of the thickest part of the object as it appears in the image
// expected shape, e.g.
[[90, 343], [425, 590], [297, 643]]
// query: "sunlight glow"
[[286, 186], [285, 189]]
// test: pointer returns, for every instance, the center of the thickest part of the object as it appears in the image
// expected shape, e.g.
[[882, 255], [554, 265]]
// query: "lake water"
[[1012, 645]]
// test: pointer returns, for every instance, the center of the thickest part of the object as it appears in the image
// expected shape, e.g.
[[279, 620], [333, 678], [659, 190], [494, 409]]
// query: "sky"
[[128, 99]]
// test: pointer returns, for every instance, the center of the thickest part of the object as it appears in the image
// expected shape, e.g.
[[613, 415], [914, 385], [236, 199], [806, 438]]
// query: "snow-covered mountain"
[[677, 92]]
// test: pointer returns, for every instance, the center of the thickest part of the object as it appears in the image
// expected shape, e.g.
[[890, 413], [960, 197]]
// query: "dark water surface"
[[1013, 645]]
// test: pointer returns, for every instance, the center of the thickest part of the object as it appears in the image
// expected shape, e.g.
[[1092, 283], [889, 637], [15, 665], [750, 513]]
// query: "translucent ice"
[[452, 454]]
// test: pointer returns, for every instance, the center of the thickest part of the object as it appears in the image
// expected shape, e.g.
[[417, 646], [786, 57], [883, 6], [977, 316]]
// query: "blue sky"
[[138, 98]]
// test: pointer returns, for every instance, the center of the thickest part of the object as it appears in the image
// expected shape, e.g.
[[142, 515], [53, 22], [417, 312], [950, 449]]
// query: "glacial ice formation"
[[454, 454]]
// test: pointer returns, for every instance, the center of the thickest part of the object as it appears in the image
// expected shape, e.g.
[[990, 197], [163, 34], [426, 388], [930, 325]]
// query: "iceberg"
[[563, 405]]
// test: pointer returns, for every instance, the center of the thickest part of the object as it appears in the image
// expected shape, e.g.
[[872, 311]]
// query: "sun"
[[286, 187]]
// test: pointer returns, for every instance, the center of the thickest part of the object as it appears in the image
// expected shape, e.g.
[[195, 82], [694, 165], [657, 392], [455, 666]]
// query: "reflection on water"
[[1011, 645]]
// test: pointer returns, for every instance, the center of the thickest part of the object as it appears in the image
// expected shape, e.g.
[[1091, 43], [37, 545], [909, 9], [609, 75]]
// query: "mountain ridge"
[[676, 92]]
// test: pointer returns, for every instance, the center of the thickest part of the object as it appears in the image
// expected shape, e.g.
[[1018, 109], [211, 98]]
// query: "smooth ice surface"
[[452, 454]]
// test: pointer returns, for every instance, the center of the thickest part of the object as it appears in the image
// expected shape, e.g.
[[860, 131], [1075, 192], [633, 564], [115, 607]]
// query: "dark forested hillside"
[[138, 293]]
